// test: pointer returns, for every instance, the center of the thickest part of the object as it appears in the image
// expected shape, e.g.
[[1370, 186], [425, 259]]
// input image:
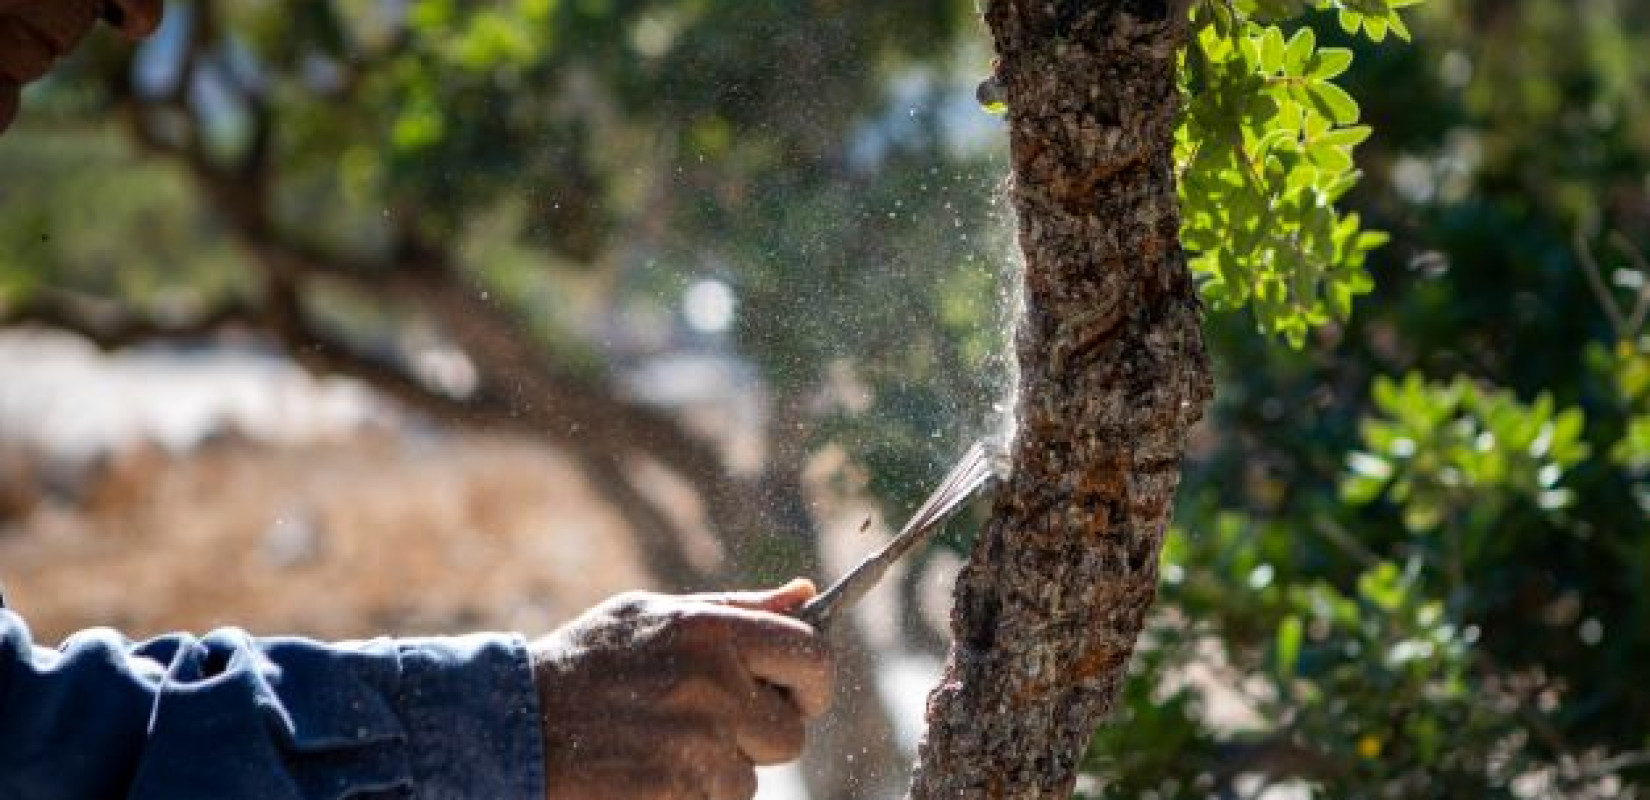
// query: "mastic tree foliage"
[[1413, 536], [1409, 557], [1266, 152]]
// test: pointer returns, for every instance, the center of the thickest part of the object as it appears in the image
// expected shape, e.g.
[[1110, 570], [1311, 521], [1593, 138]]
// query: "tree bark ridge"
[[1112, 376]]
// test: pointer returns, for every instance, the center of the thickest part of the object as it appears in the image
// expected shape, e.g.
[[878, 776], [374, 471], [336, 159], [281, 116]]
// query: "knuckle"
[[742, 783], [723, 774], [788, 738], [774, 731]]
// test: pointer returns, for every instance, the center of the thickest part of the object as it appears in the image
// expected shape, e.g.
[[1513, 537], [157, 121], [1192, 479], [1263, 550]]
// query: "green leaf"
[[1298, 51], [1288, 648], [1382, 587], [1331, 158], [1349, 21], [1357, 490], [1346, 137], [1332, 101], [1328, 62], [1369, 240], [1375, 29], [1398, 26], [1271, 50]]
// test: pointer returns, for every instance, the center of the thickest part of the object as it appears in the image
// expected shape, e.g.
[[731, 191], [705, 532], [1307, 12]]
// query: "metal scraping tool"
[[972, 471]]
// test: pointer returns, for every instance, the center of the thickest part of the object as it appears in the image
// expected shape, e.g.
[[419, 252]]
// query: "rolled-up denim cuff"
[[472, 718]]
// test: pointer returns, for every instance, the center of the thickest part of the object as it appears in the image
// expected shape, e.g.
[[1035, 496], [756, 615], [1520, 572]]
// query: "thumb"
[[782, 600]]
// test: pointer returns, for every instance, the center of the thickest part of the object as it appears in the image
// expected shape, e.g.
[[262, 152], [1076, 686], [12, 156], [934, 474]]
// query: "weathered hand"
[[35, 33], [659, 697]]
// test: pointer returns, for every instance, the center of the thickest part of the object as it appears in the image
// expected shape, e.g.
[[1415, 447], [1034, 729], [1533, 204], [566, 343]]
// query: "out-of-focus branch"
[[110, 329], [658, 537], [1627, 324], [415, 273], [1641, 305], [1276, 759], [1595, 281]]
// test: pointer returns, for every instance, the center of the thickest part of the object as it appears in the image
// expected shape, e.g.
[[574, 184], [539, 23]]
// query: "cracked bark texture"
[[1112, 375]]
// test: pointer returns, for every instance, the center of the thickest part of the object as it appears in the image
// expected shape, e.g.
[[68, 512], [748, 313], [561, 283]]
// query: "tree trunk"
[[1113, 374]]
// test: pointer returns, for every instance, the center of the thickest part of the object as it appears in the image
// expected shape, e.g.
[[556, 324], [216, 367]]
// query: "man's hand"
[[656, 697], [35, 33]]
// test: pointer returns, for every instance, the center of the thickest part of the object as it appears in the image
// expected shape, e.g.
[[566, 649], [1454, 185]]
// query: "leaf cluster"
[[1441, 449], [1265, 152]]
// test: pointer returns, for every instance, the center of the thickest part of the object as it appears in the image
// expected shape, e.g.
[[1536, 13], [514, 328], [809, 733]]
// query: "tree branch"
[[110, 329], [1641, 304], [1595, 281], [422, 276], [1276, 758], [657, 535]]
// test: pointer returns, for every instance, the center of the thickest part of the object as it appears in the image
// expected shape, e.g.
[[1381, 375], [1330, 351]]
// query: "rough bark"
[[1113, 374]]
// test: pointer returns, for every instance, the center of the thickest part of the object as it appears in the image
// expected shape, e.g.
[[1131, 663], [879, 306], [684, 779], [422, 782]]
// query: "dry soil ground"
[[375, 534]]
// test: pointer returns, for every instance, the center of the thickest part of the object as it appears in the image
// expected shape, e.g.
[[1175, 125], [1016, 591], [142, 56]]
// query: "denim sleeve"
[[228, 715]]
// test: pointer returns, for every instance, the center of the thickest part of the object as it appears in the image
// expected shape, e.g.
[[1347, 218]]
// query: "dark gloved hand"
[[658, 697], [34, 34]]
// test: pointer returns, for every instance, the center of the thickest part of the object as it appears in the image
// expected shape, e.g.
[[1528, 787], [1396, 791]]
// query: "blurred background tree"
[[1410, 550]]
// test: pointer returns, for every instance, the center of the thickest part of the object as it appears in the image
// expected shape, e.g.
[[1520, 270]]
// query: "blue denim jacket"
[[231, 717]]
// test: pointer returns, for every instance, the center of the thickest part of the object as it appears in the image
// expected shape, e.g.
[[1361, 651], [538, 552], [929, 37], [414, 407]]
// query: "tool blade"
[[970, 473]]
